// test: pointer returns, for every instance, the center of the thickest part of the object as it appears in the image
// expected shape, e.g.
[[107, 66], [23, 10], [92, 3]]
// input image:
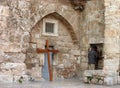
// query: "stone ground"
[[54, 84]]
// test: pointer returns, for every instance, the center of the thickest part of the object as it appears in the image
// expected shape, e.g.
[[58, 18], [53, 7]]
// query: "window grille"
[[49, 27]]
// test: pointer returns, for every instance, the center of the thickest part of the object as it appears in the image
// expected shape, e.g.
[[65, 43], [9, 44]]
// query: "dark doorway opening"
[[99, 64]]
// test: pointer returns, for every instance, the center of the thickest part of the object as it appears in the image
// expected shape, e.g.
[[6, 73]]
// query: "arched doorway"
[[61, 35]]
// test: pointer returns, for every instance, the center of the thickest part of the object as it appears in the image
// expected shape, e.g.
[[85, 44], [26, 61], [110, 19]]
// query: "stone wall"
[[112, 36], [100, 77], [19, 17], [92, 26], [65, 61], [11, 56], [20, 35]]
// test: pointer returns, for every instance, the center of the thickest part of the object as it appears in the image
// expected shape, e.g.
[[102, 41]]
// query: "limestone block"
[[92, 40], [79, 60], [66, 56], [60, 66], [54, 74], [75, 52], [25, 78], [56, 60], [23, 4], [1, 58], [51, 7], [93, 72], [8, 47], [110, 62], [34, 46], [109, 81], [83, 65], [24, 8], [115, 79], [118, 80], [35, 61], [41, 59], [41, 44], [3, 24], [37, 72], [85, 79], [4, 10], [101, 82], [83, 52], [13, 68], [94, 81], [19, 66], [37, 36], [26, 38], [66, 63], [88, 73], [111, 32], [6, 78], [16, 78], [110, 68], [15, 57], [84, 59], [6, 72], [113, 50]]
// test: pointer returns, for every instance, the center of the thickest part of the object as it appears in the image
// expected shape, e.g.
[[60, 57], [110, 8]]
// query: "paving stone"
[[55, 84]]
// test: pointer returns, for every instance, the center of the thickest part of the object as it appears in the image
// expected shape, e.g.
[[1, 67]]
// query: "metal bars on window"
[[49, 27]]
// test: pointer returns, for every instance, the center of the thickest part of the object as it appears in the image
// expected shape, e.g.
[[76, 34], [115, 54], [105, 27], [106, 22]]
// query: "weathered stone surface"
[[25, 34], [6, 78], [41, 59], [94, 76], [13, 65], [118, 77], [13, 68], [25, 78], [2, 24], [93, 72], [112, 39], [14, 57], [92, 28], [4, 10], [110, 62], [83, 65], [21, 27], [100, 77], [37, 71], [66, 73], [109, 81], [12, 71]]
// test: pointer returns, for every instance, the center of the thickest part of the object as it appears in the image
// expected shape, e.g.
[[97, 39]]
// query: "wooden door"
[[45, 70]]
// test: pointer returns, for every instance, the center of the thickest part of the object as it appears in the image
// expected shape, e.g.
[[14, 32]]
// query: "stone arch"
[[66, 50], [63, 20]]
